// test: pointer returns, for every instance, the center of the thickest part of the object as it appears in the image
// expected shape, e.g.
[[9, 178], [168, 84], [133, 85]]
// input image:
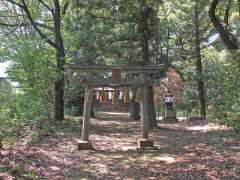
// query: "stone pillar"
[[144, 142], [84, 144], [144, 115]]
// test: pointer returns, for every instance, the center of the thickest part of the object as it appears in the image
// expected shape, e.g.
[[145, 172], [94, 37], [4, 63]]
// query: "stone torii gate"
[[144, 76]]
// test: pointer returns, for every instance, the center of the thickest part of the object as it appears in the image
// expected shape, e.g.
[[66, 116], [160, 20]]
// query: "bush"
[[33, 100], [222, 72]]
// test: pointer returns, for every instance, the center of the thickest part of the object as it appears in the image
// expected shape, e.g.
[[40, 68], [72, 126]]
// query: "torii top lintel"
[[149, 69], [91, 80]]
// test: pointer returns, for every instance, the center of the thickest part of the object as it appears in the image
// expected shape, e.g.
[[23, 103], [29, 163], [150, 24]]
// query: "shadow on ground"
[[182, 151]]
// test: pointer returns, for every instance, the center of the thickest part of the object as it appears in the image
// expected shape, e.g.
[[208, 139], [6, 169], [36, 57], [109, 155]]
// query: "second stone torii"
[[142, 82]]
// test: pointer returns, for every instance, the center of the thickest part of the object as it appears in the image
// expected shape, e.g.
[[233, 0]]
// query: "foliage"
[[20, 172], [33, 70], [222, 71], [74, 100]]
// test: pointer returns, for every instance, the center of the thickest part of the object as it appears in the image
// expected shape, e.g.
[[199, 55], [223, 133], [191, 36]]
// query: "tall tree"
[[126, 35], [200, 83], [56, 12]]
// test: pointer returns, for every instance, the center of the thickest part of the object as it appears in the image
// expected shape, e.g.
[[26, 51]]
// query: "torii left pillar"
[[144, 142], [84, 143]]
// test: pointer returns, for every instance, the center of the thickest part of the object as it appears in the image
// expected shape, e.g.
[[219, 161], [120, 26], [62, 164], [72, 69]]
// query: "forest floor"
[[184, 150]]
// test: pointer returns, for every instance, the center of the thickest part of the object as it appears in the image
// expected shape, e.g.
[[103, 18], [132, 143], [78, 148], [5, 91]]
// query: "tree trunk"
[[59, 100], [92, 113], [168, 37], [145, 16], [60, 59], [134, 110], [200, 83], [134, 107]]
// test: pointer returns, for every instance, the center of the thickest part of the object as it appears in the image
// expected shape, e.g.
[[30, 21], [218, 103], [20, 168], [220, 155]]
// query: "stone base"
[[84, 145], [171, 116], [145, 143]]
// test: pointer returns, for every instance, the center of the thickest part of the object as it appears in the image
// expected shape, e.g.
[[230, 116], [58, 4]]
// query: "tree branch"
[[15, 3], [8, 33], [228, 38], [108, 18], [13, 25], [35, 26], [65, 7], [27, 24], [227, 11], [46, 6], [44, 26]]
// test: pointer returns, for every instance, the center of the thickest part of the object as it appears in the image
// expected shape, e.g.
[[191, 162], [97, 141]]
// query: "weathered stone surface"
[[144, 143], [84, 145], [171, 115]]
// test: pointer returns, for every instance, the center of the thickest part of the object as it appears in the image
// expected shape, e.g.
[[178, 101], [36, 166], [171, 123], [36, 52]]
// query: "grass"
[[19, 172]]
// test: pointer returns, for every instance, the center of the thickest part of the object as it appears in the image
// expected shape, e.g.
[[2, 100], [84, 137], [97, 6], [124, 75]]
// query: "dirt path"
[[183, 151]]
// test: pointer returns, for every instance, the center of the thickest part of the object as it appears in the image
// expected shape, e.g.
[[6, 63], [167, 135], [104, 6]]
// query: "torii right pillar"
[[145, 141], [84, 143]]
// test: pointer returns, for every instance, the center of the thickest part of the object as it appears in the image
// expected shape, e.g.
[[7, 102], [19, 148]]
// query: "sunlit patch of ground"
[[197, 125], [184, 150]]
